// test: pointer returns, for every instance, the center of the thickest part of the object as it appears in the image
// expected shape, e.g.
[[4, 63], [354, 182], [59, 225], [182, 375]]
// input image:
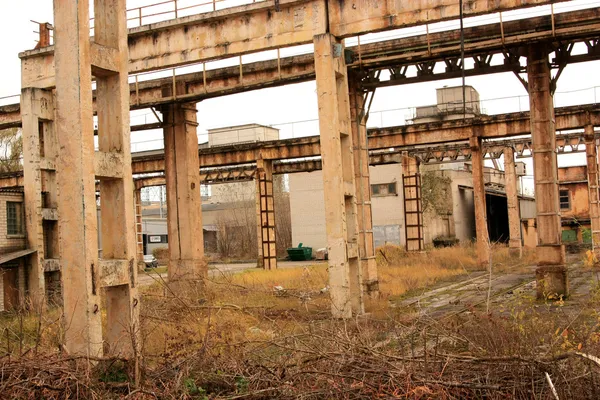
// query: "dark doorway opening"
[[497, 218]]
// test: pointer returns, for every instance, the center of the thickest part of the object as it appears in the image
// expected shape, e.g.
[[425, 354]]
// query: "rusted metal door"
[[11, 291]]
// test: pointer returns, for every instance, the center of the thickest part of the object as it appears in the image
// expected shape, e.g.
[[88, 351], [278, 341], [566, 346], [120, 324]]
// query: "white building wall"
[[307, 207]]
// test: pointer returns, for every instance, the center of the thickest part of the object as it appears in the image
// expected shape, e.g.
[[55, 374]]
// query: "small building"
[[574, 205], [447, 192], [450, 105], [13, 249]]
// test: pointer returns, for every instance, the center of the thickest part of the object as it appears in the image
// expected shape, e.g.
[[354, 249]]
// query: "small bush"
[[161, 254]]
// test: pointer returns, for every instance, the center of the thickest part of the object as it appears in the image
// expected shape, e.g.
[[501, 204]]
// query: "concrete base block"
[[550, 254], [371, 289], [552, 282], [515, 251]]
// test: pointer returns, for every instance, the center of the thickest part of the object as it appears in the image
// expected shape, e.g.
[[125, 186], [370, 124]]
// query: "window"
[[384, 189], [564, 198], [14, 218]]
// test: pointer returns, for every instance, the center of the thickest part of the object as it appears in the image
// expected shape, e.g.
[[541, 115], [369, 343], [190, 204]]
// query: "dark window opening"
[[565, 200]]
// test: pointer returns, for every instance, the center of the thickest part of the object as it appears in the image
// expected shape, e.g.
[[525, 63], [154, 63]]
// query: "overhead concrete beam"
[[351, 18], [497, 126], [38, 65]]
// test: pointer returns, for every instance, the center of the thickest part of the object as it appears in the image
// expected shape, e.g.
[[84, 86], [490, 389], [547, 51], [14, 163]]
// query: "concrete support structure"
[[551, 273], [591, 150], [39, 148], [366, 244], [75, 179], [515, 243], [265, 215], [483, 241], [345, 273], [84, 274], [184, 217], [413, 203]]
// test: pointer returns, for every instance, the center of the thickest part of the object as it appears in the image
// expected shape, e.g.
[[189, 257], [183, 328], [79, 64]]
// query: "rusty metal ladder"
[[413, 212]]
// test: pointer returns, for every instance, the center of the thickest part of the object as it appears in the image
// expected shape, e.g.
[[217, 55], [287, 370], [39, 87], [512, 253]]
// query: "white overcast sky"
[[299, 102]]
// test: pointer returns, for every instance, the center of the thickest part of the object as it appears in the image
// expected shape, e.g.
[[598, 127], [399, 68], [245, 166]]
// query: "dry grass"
[[268, 334]]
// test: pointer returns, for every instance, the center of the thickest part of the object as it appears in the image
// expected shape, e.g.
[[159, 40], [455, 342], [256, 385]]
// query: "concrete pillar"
[[483, 241], [265, 215], [515, 243], [184, 204], [75, 179], [39, 152], [551, 272], [413, 203], [345, 273], [366, 244], [139, 236], [117, 208], [591, 151]]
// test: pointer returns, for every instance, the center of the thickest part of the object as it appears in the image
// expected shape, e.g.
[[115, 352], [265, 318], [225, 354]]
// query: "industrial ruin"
[[76, 221]]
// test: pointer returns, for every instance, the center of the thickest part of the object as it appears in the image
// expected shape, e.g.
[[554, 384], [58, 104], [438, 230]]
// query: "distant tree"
[[11, 150]]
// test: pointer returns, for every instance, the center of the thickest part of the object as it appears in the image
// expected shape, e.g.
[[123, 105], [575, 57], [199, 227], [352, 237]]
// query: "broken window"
[[565, 200], [384, 189], [14, 218]]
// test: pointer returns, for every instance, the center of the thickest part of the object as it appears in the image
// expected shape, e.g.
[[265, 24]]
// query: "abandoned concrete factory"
[[348, 188]]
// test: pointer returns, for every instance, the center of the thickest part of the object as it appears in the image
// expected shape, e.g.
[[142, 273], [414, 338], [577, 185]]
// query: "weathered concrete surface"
[[109, 59], [512, 202], [550, 251], [184, 220], [38, 145], [353, 18], [345, 273], [75, 179], [37, 65], [483, 241]]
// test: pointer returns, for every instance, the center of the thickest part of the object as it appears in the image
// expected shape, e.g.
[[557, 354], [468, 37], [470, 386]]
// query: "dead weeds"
[[268, 334]]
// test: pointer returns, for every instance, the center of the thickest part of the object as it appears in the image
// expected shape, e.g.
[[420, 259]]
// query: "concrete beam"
[[38, 65], [348, 18]]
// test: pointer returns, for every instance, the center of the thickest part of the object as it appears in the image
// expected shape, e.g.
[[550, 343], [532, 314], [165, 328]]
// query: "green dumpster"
[[300, 253]]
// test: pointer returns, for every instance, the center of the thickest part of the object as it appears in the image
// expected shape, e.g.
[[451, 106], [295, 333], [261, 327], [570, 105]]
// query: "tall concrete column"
[[366, 244], [265, 215], [551, 272], [75, 179], [39, 152], [515, 243], [113, 169], [413, 203], [184, 204], [591, 151], [483, 241], [345, 273]]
